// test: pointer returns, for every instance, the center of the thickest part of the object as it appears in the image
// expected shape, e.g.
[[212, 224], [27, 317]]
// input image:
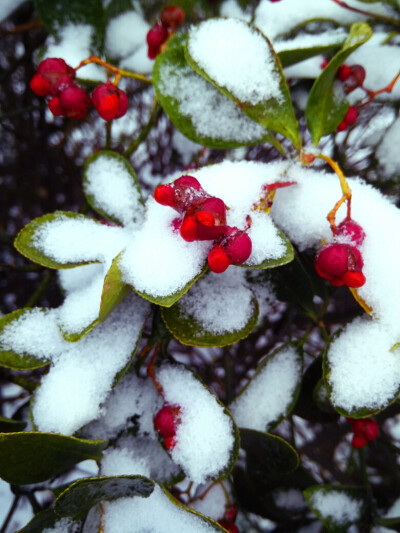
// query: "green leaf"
[[272, 113], [190, 331], [8, 425], [8, 357], [268, 455], [116, 7], [79, 497], [26, 244], [114, 290], [287, 257], [119, 170], [75, 337], [327, 104], [293, 56], [32, 457], [326, 500], [44, 520], [226, 125], [391, 523], [57, 13]]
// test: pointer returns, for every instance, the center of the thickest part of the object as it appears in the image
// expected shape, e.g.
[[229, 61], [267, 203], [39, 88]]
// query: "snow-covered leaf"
[[14, 352], [272, 392], [218, 310], [79, 497], [327, 104], [337, 506], [286, 257], [64, 240], [207, 440], [41, 521], [197, 108], [31, 457], [112, 188], [114, 291], [243, 66]]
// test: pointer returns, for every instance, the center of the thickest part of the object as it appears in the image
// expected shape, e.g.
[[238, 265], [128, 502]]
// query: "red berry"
[[40, 86], [239, 246], [342, 126], [156, 37], [188, 181], [351, 116], [165, 195], [75, 102], [170, 442], [331, 261], [356, 78], [343, 72], [172, 17], [218, 259], [371, 431], [324, 63], [355, 280], [358, 441], [205, 217], [109, 101], [189, 228], [166, 420], [230, 513], [352, 230], [232, 528], [55, 106], [180, 194]]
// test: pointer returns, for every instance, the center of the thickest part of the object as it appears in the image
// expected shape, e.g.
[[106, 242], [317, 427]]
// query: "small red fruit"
[[230, 513], [110, 101], [232, 528], [55, 106], [324, 63], [340, 264], [355, 79], [172, 17], [156, 37], [352, 230], [218, 259], [75, 102], [358, 440], [342, 126], [180, 194], [239, 246], [165, 422], [343, 72], [40, 86], [351, 116], [165, 195], [50, 70], [371, 431], [365, 430]]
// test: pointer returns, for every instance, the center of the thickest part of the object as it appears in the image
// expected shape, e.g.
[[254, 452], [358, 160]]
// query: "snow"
[[205, 435], [125, 34], [290, 499], [8, 6], [214, 503], [219, 303], [337, 505], [65, 525], [113, 189], [212, 114], [268, 395], [155, 513], [389, 159], [243, 64], [74, 44], [310, 40]]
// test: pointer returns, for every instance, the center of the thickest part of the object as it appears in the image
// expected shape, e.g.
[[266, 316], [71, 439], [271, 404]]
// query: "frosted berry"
[[47, 75], [166, 422], [172, 17], [340, 264], [180, 194], [343, 72], [74, 102], [156, 37], [109, 101], [350, 229]]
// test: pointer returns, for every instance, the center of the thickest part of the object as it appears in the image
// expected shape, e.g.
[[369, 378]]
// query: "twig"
[[145, 131], [391, 20]]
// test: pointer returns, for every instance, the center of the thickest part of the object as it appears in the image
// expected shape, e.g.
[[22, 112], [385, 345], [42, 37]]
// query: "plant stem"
[[108, 134], [391, 20], [10, 513], [155, 113], [40, 290]]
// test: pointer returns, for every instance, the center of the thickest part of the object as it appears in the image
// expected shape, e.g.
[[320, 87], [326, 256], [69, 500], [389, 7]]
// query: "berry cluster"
[[171, 17], [228, 521], [364, 431], [166, 422], [351, 77], [203, 218], [340, 262], [54, 79]]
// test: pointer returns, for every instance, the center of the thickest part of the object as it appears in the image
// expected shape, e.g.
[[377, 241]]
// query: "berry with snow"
[[172, 17], [351, 230], [180, 194], [166, 422], [340, 264], [109, 101], [204, 220]]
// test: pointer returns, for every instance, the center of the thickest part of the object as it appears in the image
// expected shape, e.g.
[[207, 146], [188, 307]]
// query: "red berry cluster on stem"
[[364, 430], [171, 17], [203, 218], [340, 262], [166, 422]]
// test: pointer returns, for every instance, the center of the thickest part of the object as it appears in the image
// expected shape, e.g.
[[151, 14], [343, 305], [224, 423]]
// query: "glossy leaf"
[[114, 291], [121, 163], [26, 245], [31, 457], [353, 498], [79, 497], [275, 114], [327, 103], [189, 331], [11, 359], [8, 425], [227, 122], [293, 56]]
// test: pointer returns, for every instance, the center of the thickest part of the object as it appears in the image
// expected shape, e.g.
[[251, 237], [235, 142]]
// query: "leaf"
[[391, 523], [190, 331], [287, 257], [327, 104], [28, 239], [10, 358], [283, 365], [197, 108], [79, 497], [274, 111], [111, 187], [8, 425], [114, 290], [337, 506], [293, 56], [43, 520], [31, 457], [56, 13], [268, 455]]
